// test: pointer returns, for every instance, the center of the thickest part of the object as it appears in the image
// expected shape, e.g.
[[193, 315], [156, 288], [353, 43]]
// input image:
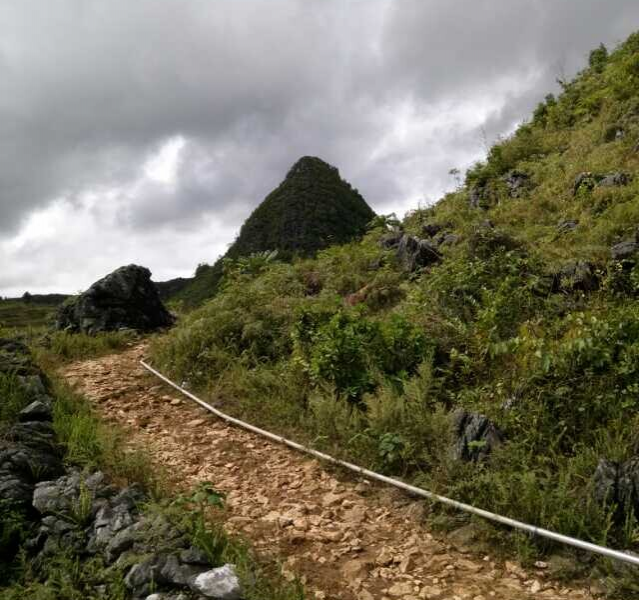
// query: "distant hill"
[[313, 208]]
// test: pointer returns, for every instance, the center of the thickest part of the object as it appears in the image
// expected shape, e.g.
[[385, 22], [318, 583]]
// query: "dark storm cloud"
[[393, 92]]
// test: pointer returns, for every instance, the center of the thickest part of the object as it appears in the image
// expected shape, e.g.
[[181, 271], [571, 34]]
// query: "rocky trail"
[[344, 538]]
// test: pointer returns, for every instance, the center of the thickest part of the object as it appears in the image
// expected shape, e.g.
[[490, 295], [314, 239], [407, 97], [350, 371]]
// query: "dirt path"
[[346, 539]]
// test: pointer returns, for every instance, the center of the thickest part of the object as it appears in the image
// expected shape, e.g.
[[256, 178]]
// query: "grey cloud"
[[91, 89]]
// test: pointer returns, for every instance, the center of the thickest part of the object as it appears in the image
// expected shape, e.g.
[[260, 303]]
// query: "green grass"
[[61, 346], [16, 314]]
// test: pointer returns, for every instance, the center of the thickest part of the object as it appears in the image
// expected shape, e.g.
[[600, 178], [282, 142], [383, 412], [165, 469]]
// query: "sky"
[[146, 132]]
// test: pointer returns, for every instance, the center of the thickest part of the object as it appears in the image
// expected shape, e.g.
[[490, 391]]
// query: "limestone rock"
[[476, 436], [124, 299], [414, 254], [221, 583], [517, 183]]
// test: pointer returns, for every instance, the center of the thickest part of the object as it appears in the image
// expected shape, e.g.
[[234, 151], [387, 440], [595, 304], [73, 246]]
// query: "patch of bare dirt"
[[345, 538]]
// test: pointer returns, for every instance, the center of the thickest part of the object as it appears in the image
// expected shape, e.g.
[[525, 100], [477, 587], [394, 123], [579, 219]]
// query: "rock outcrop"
[[124, 299], [517, 183], [412, 252], [618, 484], [476, 436]]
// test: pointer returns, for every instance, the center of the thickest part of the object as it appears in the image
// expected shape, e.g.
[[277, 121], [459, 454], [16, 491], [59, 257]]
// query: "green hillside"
[[516, 300], [313, 208]]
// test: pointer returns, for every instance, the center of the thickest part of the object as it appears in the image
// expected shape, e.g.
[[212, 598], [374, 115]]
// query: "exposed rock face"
[[414, 254], [517, 183], [615, 179], [624, 250], [124, 299], [477, 196], [476, 436], [588, 181], [618, 484], [28, 450], [89, 516]]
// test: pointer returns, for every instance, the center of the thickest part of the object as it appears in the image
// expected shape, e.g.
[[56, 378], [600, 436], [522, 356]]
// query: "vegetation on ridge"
[[313, 208], [527, 319]]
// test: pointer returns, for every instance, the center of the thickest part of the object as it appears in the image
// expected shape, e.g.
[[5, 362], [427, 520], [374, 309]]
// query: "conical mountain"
[[311, 209]]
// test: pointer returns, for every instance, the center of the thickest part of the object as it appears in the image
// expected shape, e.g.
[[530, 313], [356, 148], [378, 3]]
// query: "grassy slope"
[[483, 330], [18, 314]]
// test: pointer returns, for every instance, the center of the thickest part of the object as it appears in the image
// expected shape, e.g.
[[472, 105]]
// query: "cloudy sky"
[[147, 131]]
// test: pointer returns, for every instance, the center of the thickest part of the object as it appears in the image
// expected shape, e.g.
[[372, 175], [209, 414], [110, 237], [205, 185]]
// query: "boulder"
[[391, 239], [476, 436], [614, 180], [125, 299], [517, 183], [567, 225], [618, 484], [624, 250], [221, 583], [431, 229], [414, 254]]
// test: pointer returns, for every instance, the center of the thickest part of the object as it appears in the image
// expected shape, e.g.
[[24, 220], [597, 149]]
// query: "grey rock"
[[605, 482], [447, 239], [477, 196], [476, 436], [567, 226], [414, 254], [123, 540], [624, 250], [36, 411], [142, 574], [431, 229], [615, 180], [391, 239], [517, 183], [221, 583], [124, 299], [618, 484], [193, 556], [175, 573]]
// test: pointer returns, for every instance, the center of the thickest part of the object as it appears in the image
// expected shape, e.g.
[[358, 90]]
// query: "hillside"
[[313, 208], [487, 348]]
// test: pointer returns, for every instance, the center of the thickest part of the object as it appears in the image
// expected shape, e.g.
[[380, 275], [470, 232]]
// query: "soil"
[[344, 537]]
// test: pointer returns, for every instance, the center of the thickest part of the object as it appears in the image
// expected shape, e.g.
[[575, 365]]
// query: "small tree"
[[27, 298], [598, 58]]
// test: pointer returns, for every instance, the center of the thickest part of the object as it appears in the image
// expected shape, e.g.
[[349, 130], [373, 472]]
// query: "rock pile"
[[84, 513], [412, 252], [28, 450], [124, 299], [91, 517]]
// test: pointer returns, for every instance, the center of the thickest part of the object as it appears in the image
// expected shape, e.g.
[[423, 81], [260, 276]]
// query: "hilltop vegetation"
[[503, 302], [313, 208]]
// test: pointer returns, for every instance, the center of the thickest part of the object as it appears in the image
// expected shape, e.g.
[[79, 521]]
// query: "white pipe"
[[533, 530]]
